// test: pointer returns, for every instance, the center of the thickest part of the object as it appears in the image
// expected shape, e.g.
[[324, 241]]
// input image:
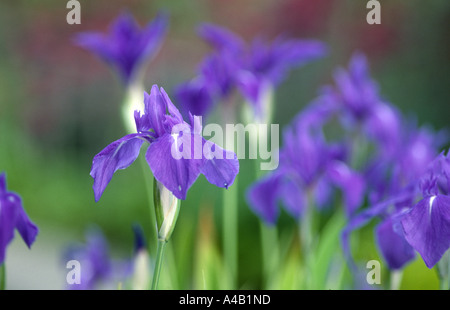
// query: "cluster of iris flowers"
[[349, 151]]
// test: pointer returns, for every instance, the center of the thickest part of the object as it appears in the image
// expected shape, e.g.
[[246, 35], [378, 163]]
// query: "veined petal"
[[263, 196], [176, 173], [118, 155], [427, 228], [220, 166]]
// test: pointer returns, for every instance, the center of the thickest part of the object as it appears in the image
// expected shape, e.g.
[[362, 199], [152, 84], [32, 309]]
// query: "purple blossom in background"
[[94, 258], [161, 126], [12, 217], [254, 69], [126, 47], [310, 170], [194, 97], [266, 65], [394, 187], [362, 107], [98, 269]]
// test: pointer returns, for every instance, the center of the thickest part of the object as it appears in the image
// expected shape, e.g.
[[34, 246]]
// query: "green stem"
[[148, 179], [306, 237], [158, 264], [270, 254], [448, 269], [269, 245], [396, 279], [443, 270], [230, 231], [2, 277]]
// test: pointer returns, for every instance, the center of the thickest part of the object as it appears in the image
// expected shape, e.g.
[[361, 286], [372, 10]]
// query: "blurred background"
[[60, 105]]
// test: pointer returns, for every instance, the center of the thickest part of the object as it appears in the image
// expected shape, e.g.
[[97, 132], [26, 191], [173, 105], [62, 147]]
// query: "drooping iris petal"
[[427, 228], [263, 196], [13, 216], [9, 210], [118, 155], [27, 229], [220, 166], [177, 173], [363, 218], [393, 246]]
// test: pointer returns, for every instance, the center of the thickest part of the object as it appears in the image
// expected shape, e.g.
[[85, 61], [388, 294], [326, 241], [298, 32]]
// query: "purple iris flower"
[[427, 224], [393, 186], [13, 216], [363, 108], [309, 172], [177, 153], [126, 47]]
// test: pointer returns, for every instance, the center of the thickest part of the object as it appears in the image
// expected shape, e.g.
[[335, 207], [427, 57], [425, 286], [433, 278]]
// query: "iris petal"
[[427, 228], [176, 174], [263, 198], [8, 217], [393, 246], [219, 170], [118, 155], [27, 229]]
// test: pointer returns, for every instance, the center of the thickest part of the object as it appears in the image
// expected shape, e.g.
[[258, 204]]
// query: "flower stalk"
[[2, 277], [230, 231], [167, 207], [158, 264]]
